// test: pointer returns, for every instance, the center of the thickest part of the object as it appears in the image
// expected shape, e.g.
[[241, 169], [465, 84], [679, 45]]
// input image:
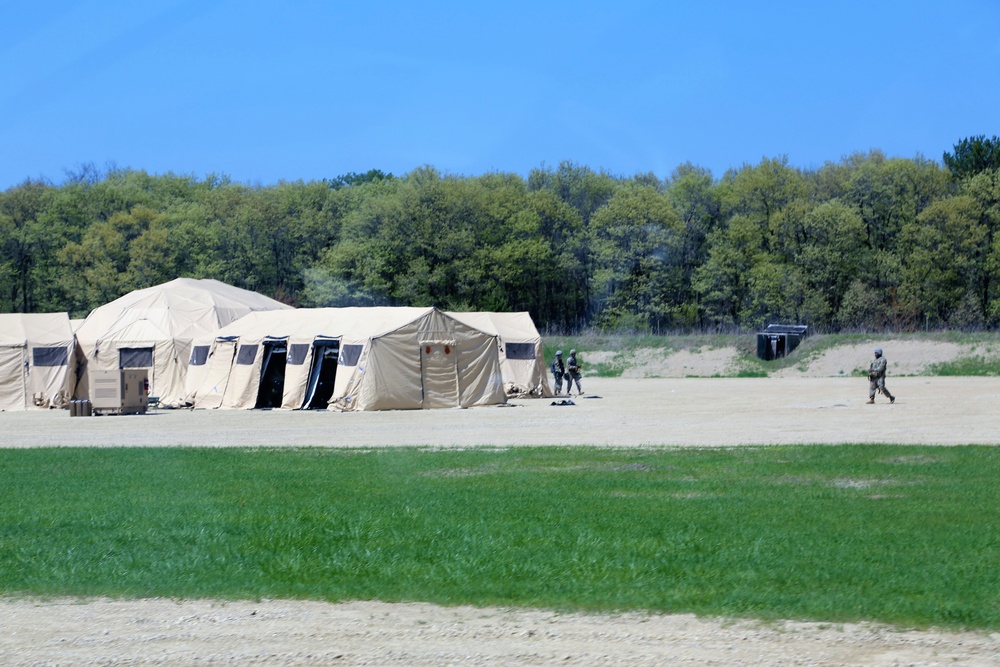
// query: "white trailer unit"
[[122, 392]]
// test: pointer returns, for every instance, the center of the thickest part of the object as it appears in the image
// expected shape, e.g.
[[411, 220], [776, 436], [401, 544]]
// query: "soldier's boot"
[[871, 400], [892, 399]]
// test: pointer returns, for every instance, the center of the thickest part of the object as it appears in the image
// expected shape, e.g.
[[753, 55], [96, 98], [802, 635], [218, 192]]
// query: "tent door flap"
[[439, 374], [272, 374], [322, 374]]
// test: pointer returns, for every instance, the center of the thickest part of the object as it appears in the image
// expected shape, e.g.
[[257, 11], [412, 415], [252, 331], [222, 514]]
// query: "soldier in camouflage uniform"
[[558, 369], [573, 374], [876, 377]]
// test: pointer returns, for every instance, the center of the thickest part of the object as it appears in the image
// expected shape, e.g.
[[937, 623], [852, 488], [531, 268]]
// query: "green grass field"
[[903, 535]]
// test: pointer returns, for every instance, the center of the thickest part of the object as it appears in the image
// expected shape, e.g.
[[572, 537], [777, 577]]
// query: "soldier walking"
[[558, 369], [573, 374], [876, 377]]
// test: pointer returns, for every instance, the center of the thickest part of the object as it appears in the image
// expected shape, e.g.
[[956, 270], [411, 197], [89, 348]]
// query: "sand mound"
[[906, 357], [660, 363]]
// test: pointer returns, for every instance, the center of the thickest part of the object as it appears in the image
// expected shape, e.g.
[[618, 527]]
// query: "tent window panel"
[[49, 356], [297, 353], [199, 355], [520, 350], [135, 357], [246, 355], [350, 354]]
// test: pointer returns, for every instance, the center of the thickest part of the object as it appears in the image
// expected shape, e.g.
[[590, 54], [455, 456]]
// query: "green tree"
[[486, 243], [831, 256], [749, 275], [973, 155], [354, 178], [26, 245], [890, 193], [984, 189], [409, 244], [255, 240], [725, 283], [129, 251], [580, 187], [696, 199], [943, 255], [838, 246], [862, 308], [561, 284], [637, 246]]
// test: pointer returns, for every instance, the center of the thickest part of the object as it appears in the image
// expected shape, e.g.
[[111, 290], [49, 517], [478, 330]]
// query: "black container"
[[778, 340]]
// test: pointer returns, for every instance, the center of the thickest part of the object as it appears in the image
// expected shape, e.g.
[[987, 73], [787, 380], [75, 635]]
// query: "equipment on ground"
[[122, 392]]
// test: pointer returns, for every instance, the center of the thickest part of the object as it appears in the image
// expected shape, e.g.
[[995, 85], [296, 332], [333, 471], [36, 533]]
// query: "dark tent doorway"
[[272, 374], [322, 375]]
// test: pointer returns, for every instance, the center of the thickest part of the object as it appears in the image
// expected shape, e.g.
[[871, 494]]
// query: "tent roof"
[[181, 308], [137, 331], [36, 328], [509, 326], [354, 322]]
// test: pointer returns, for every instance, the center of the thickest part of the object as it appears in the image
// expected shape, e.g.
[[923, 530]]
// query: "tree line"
[[868, 242]]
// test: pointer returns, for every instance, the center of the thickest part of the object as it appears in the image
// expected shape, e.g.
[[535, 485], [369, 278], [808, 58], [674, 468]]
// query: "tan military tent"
[[154, 328], [37, 367], [349, 359], [522, 360]]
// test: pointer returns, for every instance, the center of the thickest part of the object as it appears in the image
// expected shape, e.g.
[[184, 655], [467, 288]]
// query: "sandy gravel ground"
[[629, 412], [165, 632], [683, 412]]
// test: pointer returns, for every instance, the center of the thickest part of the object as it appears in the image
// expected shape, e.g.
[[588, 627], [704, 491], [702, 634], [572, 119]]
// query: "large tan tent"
[[522, 359], [154, 328], [349, 359], [37, 367]]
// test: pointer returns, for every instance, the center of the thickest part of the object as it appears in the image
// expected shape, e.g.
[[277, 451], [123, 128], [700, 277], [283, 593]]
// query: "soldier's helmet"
[[572, 351], [878, 352], [558, 353]]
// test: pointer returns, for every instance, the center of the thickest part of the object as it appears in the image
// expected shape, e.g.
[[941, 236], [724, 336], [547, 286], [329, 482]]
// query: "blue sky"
[[269, 91]]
